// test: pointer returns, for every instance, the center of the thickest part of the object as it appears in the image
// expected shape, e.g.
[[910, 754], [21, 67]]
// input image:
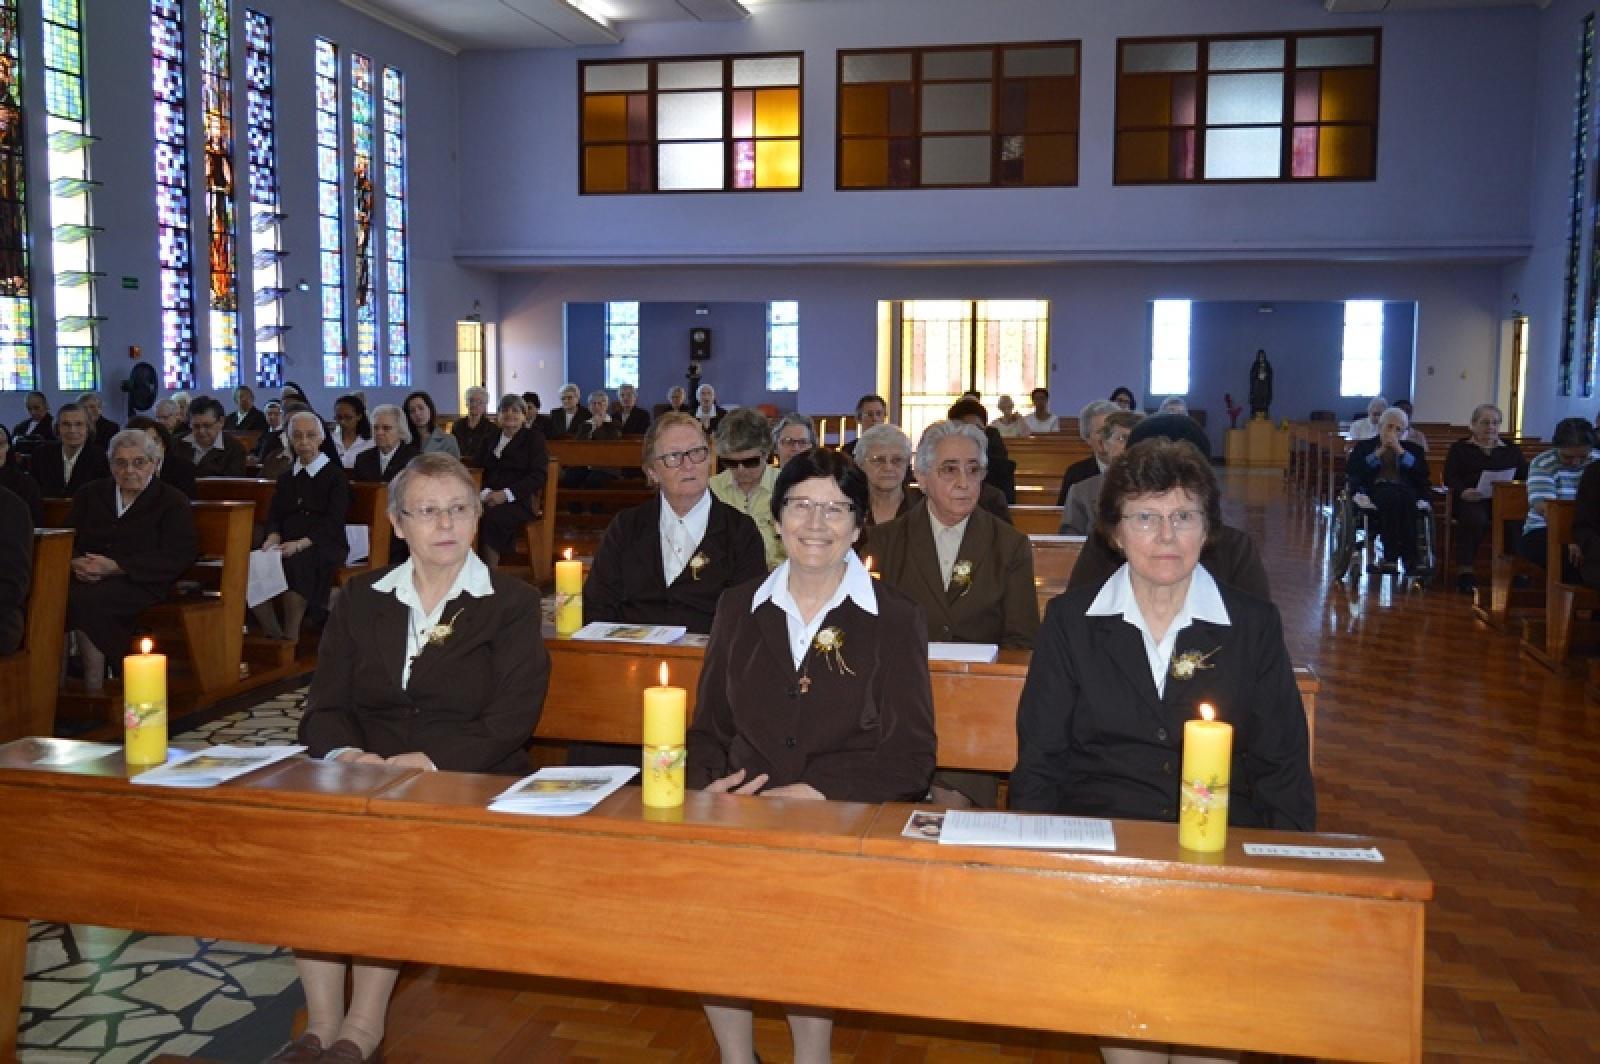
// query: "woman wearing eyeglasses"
[[437, 663], [515, 465], [884, 454], [815, 686], [669, 560], [747, 478]]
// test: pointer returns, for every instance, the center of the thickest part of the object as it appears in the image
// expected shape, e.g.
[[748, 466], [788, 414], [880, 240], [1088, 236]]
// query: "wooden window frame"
[[1286, 123], [917, 83], [653, 143]]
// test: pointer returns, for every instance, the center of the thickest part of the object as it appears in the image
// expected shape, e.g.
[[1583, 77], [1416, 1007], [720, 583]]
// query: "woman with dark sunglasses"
[[744, 450]]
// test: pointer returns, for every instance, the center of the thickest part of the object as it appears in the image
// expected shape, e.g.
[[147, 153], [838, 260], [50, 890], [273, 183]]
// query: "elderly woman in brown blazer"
[[815, 685], [437, 663]]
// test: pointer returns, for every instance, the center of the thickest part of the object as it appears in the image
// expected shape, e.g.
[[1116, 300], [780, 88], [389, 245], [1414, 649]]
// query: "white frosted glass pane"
[[1233, 99], [878, 66], [1243, 153], [1041, 62], [772, 71], [689, 115], [955, 161], [955, 107], [938, 66], [1158, 58], [616, 77], [700, 74], [1246, 55], [1334, 51], [691, 166]]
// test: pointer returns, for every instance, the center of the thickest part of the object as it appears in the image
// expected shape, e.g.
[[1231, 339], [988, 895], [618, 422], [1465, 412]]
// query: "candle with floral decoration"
[[569, 594], [1207, 765], [665, 719], [144, 706]]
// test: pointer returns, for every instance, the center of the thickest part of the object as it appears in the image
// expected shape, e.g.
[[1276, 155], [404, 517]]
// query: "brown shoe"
[[347, 1052], [306, 1047]]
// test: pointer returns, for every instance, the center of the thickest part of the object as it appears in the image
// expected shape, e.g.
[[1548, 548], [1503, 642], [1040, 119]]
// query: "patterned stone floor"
[[110, 997]]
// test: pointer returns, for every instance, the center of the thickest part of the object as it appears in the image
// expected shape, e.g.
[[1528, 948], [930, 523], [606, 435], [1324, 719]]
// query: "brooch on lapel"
[[696, 563], [961, 575], [440, 632], [830, 644], [1184, 665]]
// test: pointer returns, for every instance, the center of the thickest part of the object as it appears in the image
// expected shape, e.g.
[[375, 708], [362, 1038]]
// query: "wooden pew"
[[539, 535], [1550, 642], [369, 505], [1311, 958], [597, 689], [28, 676], [210, 625], [1509, 506], [1054, 557], [256, 490], [1036, 520]]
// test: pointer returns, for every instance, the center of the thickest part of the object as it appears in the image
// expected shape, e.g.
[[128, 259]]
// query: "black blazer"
[[866, 735], [1094, 738], [104, 429], [1363, 476], [226, 461], [588, 430], [1077, 471], [1586, 524], [562, 425], [637, 423], [472, 439], [16, 568], [44, 430], [1232, 560], [254, 421], [627, 582], [366, 470], [473, 700], [49, 469], [521, 468], [178, 471], [23, 487]]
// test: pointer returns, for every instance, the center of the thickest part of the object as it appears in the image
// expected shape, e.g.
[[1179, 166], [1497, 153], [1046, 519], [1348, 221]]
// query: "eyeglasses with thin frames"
[[834, 513], [674, 459], [432, 514], [1182, 522]]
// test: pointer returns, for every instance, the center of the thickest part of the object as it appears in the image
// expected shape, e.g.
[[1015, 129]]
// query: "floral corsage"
[[697, 563], [1185, 664], [961, 575], [440, 632], [830, 645]]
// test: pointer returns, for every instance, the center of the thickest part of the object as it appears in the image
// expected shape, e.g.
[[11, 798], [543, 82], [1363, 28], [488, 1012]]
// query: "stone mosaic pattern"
[[94, 994]]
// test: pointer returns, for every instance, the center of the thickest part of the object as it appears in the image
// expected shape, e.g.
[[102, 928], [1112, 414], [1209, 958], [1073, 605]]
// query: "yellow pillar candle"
[[665, 710], [144, 706], [1207, 765], [569, 594]]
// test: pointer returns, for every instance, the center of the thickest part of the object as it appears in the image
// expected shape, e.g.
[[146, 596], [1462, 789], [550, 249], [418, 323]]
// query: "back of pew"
[[257, 490], [28, 676], [1509, 507], [539, 535], [210, 626], [369, 505], [1036, 520], [1550, 643], [1053, 560]]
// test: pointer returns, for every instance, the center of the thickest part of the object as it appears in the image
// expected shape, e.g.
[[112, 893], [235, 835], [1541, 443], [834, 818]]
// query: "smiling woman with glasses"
[[668, 560], [744, 450]]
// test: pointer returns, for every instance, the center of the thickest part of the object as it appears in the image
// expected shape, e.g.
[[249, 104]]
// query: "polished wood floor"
[[1430, 728]]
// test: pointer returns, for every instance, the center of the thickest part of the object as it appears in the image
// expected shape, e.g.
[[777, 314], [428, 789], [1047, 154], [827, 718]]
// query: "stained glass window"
[[72, 245], [783, 346], [330, 215], [995, 115], [266, 219], [948, 346], [16, 288], [1290, 107], [1169, 346], [362, 122], [1361, 368], [174, 250], [397, 309], [622, 344], [691, 125], [216, 89], [1571, 340]]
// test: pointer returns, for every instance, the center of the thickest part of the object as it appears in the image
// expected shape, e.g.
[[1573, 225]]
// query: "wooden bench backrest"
[[248, 438], [256, 490], [369, 505], [611, 454], [1510, 504], [56, 511], [1036, 520], [28, 676], [540, 533]]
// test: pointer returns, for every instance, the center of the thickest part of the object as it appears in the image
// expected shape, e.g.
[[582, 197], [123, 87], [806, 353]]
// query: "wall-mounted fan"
[[141, 388]]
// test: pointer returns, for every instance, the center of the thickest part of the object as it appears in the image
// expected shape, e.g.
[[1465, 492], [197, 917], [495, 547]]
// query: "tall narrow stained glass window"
[[16, 289], [783, 345], [622, 343], [948, 346], [66, 126], [362, 128], [330, 216], [1572, 338], [1361, 368], [397, 308], [266, 219], [216, 90], [175, 252], [1169, 346]]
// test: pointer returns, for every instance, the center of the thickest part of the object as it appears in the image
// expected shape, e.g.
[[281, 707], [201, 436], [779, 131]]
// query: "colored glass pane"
[[216, 80], [397, 302], [266, 216], [70, 206], [363, 206], [330, 206], [174, 250], [778, 164], [778, 113]]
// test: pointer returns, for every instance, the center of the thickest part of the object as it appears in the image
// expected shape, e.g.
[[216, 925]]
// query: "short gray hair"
[[598, 393], [1173, 404], [939, 431], [570, 386], [794, 419], [746, 429], [1377, 399], [514, 402], [85, 397], [165, 406], [135, 439], [433, 464], [1091, 410], [477, 392], [882, 436], [1481, 407], [400, 419], [1395, 415], [306, 415]]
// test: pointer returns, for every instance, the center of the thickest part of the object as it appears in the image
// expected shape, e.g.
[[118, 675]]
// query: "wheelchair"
[[1353, 538]]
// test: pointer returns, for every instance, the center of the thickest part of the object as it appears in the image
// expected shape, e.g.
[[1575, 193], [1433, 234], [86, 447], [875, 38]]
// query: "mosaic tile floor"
[[99, 995]]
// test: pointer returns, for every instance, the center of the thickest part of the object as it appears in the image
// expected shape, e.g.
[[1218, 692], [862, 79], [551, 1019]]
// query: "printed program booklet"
[[614, 632], [1032, 832], [563, 790], [214, 765]]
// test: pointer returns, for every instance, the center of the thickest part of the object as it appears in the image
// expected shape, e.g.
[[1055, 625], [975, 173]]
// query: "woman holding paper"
[[305, 524], [815, 685], [1464, 467], [437, 663]]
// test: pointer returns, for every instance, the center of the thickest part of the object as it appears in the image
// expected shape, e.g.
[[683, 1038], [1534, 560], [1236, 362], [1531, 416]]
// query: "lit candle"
[[569, 594], [665, 710], [1207, 764], [144, 706]]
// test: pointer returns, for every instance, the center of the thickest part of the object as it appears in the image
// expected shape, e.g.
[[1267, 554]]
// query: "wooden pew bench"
[[1310, 958], [28, 676], [1549, 641], [1509, 508]]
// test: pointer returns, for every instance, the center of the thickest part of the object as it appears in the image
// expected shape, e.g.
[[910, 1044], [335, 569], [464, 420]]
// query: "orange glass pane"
[[863, 163], [778, 113], [1345, 151], [1144, 100], [605, 169], [1050, 159], [1349, 96], [777, 164], [1052, 104], [864, 109], [1143, 156], [605, 118]]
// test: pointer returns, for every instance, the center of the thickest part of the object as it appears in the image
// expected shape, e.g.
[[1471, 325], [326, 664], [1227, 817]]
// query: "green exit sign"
[[130, 282]]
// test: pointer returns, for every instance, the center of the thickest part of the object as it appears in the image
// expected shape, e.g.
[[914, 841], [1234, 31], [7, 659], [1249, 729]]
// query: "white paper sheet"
[[965, 828], [982, 653], [214, 765], [1314, 853], [359, 540], [266, 577], [1490, 477], [563, 790], [615, 632]]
